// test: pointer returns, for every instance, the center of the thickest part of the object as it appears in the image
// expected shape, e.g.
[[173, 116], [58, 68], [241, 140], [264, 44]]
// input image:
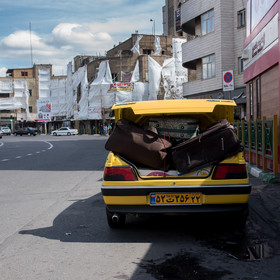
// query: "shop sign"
[[263, 42]]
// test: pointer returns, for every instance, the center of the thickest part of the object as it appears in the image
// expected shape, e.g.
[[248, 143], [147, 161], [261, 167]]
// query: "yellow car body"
[[137, 191]]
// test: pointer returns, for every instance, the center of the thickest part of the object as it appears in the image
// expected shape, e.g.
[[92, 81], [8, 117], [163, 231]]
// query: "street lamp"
[[154, 27]]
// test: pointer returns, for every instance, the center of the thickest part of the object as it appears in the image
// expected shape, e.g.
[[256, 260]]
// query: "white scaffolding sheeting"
[[169, 78], [140, 91], [58, 97], [6, 87], [136, 47], [154, 78], [83, 103], [157, 46], [69, 92], [44, 83], [136, 74], [20, 99], [99, 97]]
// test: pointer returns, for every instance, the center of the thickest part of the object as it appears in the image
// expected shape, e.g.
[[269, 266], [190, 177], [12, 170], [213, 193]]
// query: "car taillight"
[[230, 171], [119, 174]]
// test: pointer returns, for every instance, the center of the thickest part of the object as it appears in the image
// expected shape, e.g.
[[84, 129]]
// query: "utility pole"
[[30, 44]]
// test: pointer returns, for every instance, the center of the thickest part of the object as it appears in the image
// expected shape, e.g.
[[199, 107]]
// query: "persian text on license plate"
[[175, 198]]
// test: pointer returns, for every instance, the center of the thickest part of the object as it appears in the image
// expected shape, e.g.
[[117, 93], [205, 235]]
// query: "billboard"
[[44, 110]]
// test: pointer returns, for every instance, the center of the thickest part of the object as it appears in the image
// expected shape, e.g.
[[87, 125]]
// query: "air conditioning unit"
[[245, 54]]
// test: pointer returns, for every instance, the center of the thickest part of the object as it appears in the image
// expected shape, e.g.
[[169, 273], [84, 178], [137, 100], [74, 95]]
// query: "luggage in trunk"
[[140, 145], [213, 145], [180, 128]]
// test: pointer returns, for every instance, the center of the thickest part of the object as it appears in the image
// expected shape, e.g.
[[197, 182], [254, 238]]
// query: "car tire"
[[29, 134], [54, 134], [68, 134], [15, 134], [120, 223]]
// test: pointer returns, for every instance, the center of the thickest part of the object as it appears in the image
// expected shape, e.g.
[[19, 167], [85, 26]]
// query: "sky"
[[61, 30]]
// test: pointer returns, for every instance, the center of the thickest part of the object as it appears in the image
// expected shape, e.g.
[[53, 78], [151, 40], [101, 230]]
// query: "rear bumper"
[[225, 198], [189, 209]]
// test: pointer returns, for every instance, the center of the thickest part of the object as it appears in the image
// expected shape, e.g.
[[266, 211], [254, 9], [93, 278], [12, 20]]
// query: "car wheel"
[[68, 133], [54, 134], [115, 220], [29, 134], [15, 134]]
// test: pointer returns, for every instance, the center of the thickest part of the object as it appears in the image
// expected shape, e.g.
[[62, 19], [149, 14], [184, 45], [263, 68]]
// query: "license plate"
[[175, 198]]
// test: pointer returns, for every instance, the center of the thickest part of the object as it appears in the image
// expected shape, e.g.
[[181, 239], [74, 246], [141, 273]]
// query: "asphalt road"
[[53, 224]]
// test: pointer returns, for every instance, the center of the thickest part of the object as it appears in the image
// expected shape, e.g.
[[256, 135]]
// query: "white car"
[[65, 131], [5, 130]]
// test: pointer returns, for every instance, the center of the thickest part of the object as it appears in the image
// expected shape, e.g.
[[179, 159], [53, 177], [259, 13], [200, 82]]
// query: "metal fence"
[[260, 141]]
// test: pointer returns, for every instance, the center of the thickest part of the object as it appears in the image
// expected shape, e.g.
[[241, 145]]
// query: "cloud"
[[57, 40], [3, 71], [60, 46]]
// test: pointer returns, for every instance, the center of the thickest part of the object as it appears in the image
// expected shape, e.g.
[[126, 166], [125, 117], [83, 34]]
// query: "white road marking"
[[51, 145]]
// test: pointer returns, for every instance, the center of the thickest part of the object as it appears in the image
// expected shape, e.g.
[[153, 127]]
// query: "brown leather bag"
[[213, 145], [139, 145]]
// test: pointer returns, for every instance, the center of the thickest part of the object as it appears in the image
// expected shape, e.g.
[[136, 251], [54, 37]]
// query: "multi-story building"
[[122, 59], [261, 59], [216, 30], [21, 86], [171, 14]]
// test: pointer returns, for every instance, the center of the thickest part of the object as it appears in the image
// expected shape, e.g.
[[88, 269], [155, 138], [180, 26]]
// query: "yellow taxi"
[[221, 187]]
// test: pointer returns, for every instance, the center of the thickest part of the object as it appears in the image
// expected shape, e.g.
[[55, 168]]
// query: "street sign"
[[228, 81]]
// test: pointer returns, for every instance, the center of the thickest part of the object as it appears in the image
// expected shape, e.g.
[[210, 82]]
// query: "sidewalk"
[[264, 200], [265, 176]]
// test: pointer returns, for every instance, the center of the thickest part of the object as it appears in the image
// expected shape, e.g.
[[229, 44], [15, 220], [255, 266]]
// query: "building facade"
[[171, 15], [261, 59], [19, 92], [216, 31]]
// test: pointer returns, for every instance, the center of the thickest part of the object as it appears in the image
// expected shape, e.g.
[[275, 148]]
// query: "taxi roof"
[[221, 107]]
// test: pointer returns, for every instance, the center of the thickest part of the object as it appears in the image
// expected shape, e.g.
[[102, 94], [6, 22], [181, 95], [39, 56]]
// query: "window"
[[240, 65], [208, 67], [258, 94], [251, 99], [207, 22], [4, 95], [24, 74], [30, 109], [114, 77], [30, 92], [147, 51], [241, 18]]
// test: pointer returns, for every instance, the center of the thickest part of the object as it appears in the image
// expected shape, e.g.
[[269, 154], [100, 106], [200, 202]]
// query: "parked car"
[[217, 187], [5, 130], [64, 131], [1, 134], [25, 131]]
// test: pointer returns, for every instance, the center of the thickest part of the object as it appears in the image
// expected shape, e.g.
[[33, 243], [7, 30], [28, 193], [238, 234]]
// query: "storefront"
[[261, 60]]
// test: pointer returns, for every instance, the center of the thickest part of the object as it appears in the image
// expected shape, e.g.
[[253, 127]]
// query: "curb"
[[267, 177]]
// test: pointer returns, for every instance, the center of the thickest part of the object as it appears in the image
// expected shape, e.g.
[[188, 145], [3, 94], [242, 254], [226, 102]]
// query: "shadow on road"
[[178, 243]]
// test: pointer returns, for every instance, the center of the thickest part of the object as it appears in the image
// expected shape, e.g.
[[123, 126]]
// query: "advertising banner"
[[44, 110], [121, 87]]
